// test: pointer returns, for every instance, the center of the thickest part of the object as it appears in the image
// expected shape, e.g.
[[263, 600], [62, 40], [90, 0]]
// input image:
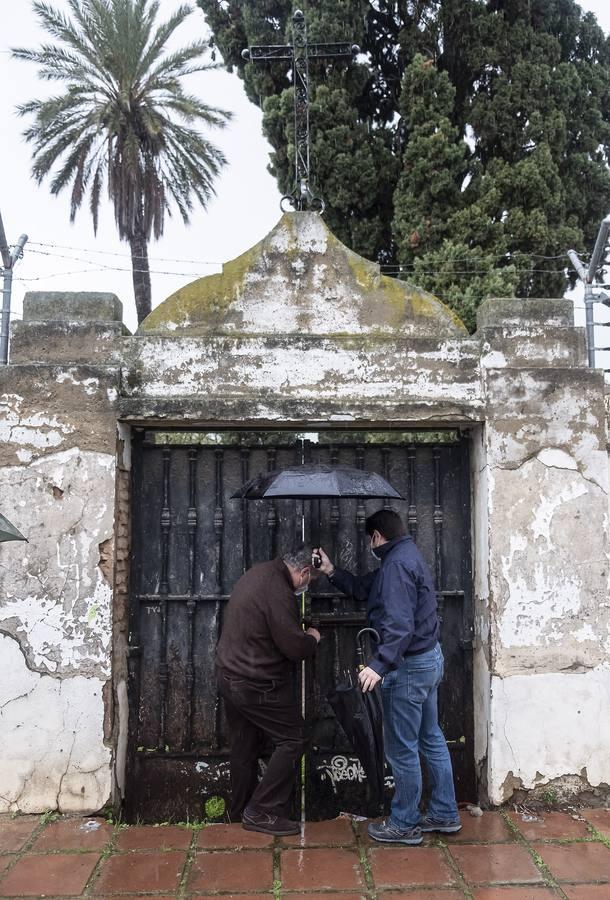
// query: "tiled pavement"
[[500, 856]]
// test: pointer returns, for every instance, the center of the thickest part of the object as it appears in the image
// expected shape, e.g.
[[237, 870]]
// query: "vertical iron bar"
[[437, 517], [191, 603], [334, 506], [360, 513], [307, 510], [385, 458], [412, 511], [165, 523], [335, 517], [218, 536], [245, 458], [191, 518], [219, 518], [299, 505], [337, 601], [164, 590], [271, 512]]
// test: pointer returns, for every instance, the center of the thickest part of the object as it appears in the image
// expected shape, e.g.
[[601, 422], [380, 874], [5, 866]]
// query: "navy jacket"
[[401, 602]]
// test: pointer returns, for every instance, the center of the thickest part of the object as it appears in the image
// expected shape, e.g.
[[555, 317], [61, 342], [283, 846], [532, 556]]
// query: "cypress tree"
[[467, 146]]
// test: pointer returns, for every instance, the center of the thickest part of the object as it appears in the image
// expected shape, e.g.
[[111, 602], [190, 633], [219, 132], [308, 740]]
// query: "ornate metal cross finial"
[[300, 52]]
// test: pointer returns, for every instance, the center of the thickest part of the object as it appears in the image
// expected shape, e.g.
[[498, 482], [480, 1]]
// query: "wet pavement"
[[504, 855]]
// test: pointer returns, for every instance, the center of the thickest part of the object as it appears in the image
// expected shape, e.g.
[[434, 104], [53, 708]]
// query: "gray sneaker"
[[267, 823], [390, 834], [444, 826]]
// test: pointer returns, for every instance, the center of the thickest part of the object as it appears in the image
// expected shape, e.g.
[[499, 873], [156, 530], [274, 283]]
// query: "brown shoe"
[[267, 823]]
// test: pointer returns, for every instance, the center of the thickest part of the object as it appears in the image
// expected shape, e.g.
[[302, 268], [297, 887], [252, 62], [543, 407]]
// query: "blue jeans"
[[411, 727]]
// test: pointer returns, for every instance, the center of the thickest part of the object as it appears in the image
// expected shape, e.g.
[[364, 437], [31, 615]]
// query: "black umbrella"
[[361, 717], [316, 482], [8, 532]]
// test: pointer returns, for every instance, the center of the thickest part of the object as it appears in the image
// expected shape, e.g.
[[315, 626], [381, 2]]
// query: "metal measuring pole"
[[9, 258], [592, 294]]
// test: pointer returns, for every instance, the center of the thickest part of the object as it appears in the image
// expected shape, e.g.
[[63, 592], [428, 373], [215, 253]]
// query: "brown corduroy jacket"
[[261, 630]]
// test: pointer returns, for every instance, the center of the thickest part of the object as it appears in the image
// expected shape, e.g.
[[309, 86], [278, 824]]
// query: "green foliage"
[[123, 122], [467, 146]]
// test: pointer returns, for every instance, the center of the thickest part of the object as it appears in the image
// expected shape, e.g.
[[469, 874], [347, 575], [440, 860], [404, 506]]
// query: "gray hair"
[[298, 556]]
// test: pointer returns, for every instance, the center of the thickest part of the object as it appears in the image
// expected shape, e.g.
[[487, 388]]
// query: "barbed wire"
[[125, 255], [43, 277], [387, 269], [205, 262], [102, 267]]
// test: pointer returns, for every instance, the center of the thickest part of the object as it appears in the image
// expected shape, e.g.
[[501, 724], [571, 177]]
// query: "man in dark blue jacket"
[[401, 606]]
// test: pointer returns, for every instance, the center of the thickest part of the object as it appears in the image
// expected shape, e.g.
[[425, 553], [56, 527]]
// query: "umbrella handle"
[[360, 647]]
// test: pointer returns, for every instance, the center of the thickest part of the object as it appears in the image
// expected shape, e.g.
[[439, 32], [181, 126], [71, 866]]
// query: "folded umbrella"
[[361, 717], [316, 482], [8, 532]]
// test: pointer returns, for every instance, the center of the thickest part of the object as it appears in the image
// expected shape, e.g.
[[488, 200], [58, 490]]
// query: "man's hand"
[[314, 632], [368, 678], [327, 567]]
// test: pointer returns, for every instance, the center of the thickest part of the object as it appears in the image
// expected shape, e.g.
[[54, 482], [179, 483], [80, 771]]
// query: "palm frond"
[[160, 39], [124, 120], [174, 65]]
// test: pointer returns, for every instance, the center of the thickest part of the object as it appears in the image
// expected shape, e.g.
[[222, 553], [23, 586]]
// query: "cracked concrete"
[[52, 754]]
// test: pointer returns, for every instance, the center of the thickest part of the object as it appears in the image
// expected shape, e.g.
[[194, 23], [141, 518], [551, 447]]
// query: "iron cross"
[[300, 52]]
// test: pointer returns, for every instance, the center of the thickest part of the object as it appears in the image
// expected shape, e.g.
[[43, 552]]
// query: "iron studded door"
[[190, 545]]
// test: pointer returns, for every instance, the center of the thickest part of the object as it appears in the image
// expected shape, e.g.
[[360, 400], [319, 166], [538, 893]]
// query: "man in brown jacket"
[[261, 638]]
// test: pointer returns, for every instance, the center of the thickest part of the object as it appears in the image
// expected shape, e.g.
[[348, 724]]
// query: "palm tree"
[[123, 121]]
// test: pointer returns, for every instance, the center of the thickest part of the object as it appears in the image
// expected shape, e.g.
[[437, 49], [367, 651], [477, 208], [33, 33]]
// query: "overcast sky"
[[60, 256]]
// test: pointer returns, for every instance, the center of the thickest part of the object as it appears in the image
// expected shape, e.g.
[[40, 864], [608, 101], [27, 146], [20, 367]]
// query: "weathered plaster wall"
[[548, 615], [550, 729], [57, 484], [213, 355], [268, 376], [53, 753]]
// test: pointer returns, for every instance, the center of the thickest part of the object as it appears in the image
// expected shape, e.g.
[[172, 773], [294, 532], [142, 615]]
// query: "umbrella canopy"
[[316, 482], [8, 532], [360, 715]]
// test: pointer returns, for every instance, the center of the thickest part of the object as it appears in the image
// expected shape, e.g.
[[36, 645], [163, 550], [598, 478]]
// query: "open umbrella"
[[360, 715], [316, 482], [8, 532]]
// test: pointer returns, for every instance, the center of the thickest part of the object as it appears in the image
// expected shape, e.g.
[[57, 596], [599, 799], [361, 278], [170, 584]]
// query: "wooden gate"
[[191, 543]]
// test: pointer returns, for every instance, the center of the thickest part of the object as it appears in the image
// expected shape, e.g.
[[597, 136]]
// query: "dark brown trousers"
[[255, 711]]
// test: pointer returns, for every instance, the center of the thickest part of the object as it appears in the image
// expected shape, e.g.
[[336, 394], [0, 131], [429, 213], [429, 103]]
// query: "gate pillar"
[[541, 551], [58, 450]]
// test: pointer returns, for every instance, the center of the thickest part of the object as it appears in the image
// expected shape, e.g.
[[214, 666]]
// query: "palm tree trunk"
[[141, 275]]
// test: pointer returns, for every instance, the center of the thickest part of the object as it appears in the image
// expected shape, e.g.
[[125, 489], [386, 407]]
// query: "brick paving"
[[502, 855]]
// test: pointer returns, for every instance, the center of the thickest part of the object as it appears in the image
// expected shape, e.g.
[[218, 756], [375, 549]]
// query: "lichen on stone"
[[301, 279]]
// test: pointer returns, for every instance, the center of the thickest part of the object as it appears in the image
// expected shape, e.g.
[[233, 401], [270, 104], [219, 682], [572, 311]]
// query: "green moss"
[[399, 295], [213, 294], [204, 305]]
